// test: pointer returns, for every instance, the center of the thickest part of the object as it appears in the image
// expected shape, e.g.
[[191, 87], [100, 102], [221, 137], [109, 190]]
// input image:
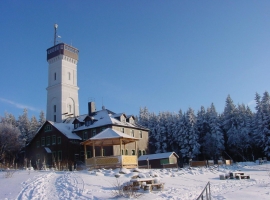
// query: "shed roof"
[[157, 156]]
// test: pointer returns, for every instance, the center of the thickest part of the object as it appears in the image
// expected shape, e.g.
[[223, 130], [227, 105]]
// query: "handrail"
[[208, 192]]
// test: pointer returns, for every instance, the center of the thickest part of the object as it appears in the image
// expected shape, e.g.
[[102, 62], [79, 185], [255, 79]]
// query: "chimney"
[[91, 108], [103, 108]]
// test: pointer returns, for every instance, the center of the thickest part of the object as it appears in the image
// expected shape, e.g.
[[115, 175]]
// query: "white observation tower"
[[62, 90]]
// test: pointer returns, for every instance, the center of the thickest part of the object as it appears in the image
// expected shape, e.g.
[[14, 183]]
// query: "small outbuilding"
[[159, 160]]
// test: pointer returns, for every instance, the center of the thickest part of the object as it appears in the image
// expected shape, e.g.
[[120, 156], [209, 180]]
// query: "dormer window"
[[87, 123], [76, 125], [123, 119]]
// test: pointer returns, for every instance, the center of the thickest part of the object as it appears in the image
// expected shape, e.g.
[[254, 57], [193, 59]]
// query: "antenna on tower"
[[55, 33]]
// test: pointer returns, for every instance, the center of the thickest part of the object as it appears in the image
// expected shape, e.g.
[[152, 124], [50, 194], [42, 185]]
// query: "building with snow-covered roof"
[[54, 143], [97, 121], [159, 160]]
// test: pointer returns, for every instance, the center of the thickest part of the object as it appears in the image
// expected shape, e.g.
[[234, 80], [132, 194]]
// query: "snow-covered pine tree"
[[24, 126], [257, 126], [214, 139], [189, 145], [34, 126], [203, 128], [265, 134], [42, 118]]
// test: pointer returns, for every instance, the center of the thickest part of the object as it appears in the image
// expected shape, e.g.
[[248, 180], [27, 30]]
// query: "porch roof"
[[110, 137]]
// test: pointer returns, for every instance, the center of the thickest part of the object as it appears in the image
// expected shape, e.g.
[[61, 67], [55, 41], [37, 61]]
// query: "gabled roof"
[[157, 156], [110, 137], [109, 133]]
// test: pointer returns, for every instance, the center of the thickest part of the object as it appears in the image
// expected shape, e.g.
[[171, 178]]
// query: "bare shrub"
[[126, 190], [9, 173]]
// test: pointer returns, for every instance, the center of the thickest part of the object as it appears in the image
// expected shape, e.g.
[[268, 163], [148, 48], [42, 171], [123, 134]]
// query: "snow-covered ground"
[[100, 184]]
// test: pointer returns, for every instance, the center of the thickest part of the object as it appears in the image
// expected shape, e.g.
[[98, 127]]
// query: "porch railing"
[[112, 161]]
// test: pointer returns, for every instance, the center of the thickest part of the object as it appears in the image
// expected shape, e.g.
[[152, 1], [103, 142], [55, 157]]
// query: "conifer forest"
[[237, 133]]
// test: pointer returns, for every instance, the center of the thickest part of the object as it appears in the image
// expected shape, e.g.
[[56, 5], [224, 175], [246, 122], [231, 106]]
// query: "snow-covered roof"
[[103, 118], [118, 114], [109, 133], [66, 129], [156, 156]]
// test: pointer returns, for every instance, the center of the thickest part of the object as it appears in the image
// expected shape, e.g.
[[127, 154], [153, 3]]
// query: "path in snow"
[[55, 185]]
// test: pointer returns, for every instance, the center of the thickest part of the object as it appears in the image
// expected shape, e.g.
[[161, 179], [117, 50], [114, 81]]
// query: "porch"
[[110, 137]]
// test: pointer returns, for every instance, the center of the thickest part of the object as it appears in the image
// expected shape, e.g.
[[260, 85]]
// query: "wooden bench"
[[153, 185], [238, 176]]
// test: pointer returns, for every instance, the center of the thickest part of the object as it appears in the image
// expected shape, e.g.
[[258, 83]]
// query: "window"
[[53, 139], [87, 123], [85, 135], [122, 152], [143, 152], [140, 134], [54, 156], [54, 108], [48, 128], [37, 157], [122, 130], [54, 76], [69, 108], [38, 143], [82, 155], [133, 152], [140, 152], [126, 152], [93, 132], [68, 75], [59, 140], [59, 155], [48, 141], [89, 154], [43, 141], [132, 133], [76, 125]]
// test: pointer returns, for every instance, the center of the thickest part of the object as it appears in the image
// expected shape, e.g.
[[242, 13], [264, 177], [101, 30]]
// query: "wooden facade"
[[159, 160], [51, 147]]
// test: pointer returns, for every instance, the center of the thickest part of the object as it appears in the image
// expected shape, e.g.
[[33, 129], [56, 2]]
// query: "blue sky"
[[165, 55]]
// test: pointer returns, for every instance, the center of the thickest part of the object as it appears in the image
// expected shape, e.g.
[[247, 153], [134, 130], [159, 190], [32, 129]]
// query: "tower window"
[[69, 108], [54, 76], [54, 108]]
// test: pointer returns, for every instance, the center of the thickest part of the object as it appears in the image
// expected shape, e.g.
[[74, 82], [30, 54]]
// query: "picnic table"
[[146, 183], [239, 175]]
